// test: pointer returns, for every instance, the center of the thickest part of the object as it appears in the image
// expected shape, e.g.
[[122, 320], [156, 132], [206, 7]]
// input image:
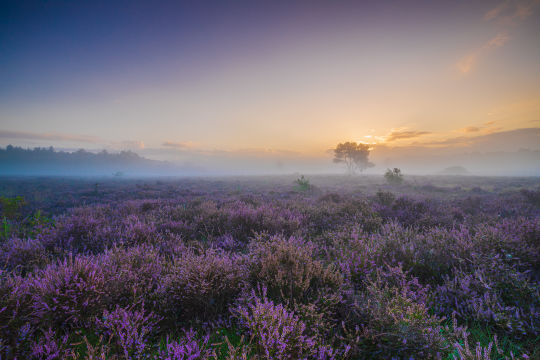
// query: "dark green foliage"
[[10, 207], [303, 183]]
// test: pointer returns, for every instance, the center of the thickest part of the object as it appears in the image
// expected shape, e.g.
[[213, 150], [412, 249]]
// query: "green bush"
[[394, 176]]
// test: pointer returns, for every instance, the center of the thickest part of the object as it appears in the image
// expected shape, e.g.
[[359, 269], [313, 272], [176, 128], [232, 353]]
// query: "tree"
[[354, 155], [394, 177]]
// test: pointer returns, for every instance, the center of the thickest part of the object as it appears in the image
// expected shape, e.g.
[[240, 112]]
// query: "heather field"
[[336, 267]]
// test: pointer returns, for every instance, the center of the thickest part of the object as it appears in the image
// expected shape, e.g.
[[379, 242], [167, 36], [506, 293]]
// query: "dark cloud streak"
[[400, 135], [6, 134]]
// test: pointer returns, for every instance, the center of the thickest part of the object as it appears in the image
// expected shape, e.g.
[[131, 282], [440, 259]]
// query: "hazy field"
[[337, 267]]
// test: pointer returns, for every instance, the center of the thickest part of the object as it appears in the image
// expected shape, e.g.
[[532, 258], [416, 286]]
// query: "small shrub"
[[10, 207], [303, 183], [393, 176]]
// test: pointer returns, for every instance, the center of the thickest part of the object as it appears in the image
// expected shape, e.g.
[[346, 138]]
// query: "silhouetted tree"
[[354, 155]]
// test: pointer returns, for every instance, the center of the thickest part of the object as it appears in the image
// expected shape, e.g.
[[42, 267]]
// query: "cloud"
[[485, 128], [192, 148], [493, 130], [470, 129], [177, 144], [497, 41], [494, 140], [510, 11], [506, 13], [6, 134], [132, 145], [455, 141], [188, 148], [262, 152], [496, 11], [468, 62], [400, 135]]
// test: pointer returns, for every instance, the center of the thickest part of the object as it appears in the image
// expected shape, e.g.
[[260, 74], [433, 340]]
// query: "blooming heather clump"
[[419, 212], [532, 196], [352, 251], [68, 294], [242, 220], [275, 332], [188, 347], [132, 275], [427, 254], [129, 330], [514, 240], [95, 350], [23, 254], [394, 277], [289, 269], [463, 350], [136, 231], [227, 243], [83, 231], [493, 293], [201, 286], [332, 215], [386, 320], [50, 346], [182, 227], [15, 308], [93, 230], [211, 219]]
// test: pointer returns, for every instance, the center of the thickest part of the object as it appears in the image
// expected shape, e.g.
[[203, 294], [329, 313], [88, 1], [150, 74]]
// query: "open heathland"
[[335, 267]]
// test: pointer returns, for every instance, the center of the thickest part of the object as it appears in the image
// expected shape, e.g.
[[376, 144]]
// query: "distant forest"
[[46, 161]]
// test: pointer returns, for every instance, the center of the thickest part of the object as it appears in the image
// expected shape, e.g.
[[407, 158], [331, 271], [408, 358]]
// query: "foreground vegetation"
[[330, 268]]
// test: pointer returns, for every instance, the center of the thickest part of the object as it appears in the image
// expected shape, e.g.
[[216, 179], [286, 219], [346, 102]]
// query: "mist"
[[503, 153], [165, 162]]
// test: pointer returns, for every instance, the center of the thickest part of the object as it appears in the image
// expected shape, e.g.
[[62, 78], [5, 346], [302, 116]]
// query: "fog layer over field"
[[510, 153]]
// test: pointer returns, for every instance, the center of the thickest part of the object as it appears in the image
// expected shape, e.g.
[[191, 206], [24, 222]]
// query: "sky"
[[240, 83]]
